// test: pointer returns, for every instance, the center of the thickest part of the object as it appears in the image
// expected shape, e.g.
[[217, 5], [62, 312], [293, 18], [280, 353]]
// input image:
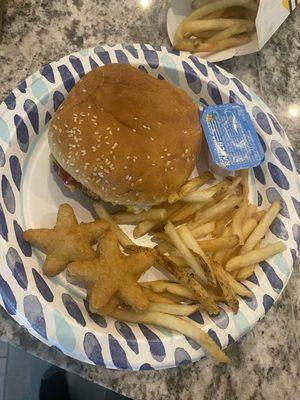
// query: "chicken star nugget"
[[68, 241], [112, 273]]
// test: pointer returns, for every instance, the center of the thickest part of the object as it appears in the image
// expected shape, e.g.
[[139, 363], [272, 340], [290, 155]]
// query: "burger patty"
[[70, 182]]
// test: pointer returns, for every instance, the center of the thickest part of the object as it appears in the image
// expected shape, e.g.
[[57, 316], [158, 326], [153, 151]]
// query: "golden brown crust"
[[67, 241], [112, 274], [126, 136]]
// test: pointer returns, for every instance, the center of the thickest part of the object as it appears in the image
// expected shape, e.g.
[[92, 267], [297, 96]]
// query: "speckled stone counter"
[[265, 363]]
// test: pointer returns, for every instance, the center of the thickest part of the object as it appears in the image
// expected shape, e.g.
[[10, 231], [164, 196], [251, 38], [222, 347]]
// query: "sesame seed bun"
[[126, 136]]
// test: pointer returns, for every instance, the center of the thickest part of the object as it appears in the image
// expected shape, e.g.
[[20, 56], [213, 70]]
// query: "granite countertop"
[[265, 363]]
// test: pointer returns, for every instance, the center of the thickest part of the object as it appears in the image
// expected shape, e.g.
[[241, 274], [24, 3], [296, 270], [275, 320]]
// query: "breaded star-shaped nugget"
[[68, 241], [112, 273]]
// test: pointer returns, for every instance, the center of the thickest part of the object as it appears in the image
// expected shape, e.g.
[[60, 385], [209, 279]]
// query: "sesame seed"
[[168, 155], [107, 143], [186, 150], [166, 149], [153, 164], [184, 131], [84, 90], [125, 167], [108, 128], [168, 163], [93, 148], [54, 126], [162, 157], [139, 180], [133, 130], [135, 118], [148, 156], [171, 168], [151, 138], [127, 157]]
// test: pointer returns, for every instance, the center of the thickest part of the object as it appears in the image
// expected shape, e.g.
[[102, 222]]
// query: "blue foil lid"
[[231, 137]]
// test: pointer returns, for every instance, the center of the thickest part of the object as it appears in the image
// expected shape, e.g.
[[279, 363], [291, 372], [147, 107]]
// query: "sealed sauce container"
[[231, 137]]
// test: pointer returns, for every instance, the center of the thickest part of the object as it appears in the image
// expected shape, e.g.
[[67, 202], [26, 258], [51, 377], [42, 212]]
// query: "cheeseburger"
[[125, 137]]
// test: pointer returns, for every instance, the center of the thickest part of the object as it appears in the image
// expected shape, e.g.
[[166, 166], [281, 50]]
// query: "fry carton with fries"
[[221, 29]]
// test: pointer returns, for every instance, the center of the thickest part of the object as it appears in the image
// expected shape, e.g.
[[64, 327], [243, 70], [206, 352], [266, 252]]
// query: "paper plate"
[[53, 310]]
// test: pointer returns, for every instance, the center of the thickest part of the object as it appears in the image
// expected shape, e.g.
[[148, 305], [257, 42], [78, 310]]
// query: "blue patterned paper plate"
[[53, 310]]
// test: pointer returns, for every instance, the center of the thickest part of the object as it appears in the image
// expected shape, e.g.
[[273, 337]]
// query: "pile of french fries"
[[208, 239], [215, 25]]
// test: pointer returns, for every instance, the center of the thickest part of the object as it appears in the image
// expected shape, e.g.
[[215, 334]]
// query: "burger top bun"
[[126, 136]]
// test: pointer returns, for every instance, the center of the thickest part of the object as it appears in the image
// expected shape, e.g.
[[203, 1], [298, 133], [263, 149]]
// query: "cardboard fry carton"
[[271, 14]]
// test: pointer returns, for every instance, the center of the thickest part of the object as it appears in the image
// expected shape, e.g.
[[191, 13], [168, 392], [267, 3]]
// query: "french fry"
[[258, 216], [143, 227], [195, 46], [165, 247], [223, 256], [244, 273], [262, 227], [184, 276], [154, 214], [205, 35], [213, 245], [238, 219], [160, 237], [185, 252], [216, 293], [189, 240], [146, 226], [204, 230], [174, 297], [238, 287], [215, 212], [232, 187], [172, 288], [186, 211], [251, 210], [155, 297], [220, 226], [179, 261], [218, 24], [245, 184], [187, 278], [235, 29], [183, 310], [190, 186], [176, 324], [229, 293], [255, 256], [206, 195], [121, 235], [220, 5]]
